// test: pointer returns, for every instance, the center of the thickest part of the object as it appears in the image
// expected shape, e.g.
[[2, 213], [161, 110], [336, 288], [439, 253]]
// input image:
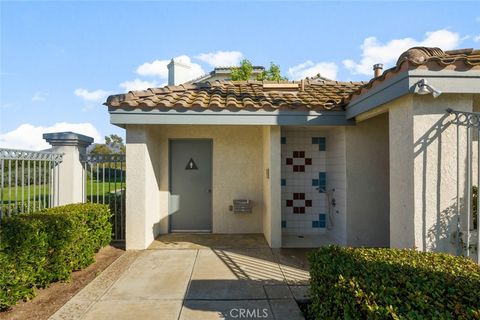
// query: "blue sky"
[[59, 60]]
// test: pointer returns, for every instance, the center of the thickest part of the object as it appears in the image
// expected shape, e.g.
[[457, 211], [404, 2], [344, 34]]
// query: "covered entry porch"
[[245, 165]]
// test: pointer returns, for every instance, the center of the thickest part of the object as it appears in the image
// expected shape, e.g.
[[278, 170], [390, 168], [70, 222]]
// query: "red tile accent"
[[298, 209], [299, 154], [301, 168], [308, 161], [299, 196], [296, 168], [289, 161], [308, 203], [289, 203]]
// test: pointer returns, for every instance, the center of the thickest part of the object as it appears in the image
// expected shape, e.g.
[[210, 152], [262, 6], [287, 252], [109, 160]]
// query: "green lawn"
[[103, 188]]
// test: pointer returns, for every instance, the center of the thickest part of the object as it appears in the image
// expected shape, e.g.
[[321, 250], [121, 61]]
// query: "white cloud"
[[159, 68], [155, 68], [476, 38], [374, 51], [138, 84], [29, 137], [96, 95], [311, 69], [39, 96], [221, 58]]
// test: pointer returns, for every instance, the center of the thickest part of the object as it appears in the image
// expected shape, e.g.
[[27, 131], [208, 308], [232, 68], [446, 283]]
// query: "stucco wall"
[[337, 179], [435, 159], [423, 162], [367, 163], [237, 172]]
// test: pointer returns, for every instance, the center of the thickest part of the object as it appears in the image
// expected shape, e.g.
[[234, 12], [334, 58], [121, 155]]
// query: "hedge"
[[348, 283], [42, 247]]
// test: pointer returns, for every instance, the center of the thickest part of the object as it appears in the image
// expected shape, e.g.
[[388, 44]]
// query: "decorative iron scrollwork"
[[464, 118]]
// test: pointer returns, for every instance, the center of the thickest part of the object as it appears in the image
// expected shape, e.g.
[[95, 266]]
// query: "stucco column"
[[272, 221], [142, 204], [70, 171], [423, 171]]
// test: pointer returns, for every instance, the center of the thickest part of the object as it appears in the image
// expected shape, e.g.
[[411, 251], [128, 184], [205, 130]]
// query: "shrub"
[[348, 283], [46, 246]]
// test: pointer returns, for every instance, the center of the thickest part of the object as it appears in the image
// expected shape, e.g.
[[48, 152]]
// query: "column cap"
[[67, 139]]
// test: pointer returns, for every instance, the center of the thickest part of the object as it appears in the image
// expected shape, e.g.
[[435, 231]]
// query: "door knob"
[[209, 190]]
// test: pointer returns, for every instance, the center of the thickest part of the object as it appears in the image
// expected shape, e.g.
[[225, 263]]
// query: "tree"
[[272, 74], [244, 72], [113, 144]]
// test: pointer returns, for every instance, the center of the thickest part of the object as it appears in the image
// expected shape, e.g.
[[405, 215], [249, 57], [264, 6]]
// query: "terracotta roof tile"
[[426, 58], [252, 95]]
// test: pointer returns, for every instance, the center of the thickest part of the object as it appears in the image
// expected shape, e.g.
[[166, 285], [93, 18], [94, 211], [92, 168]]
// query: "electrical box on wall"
[[241, 206]]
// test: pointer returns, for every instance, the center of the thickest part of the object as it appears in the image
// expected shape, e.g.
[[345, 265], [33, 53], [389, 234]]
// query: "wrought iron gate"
[[468, 238], [104, 178]]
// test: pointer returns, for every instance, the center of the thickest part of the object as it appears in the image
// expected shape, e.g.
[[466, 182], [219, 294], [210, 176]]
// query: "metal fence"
[[28, 180], [468, 130], [104, 176]]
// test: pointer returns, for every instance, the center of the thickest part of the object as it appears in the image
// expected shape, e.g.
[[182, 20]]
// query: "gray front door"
[[190, 185]]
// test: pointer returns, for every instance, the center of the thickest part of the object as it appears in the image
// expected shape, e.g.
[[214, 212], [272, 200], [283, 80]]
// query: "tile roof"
[[236, 95], [434, 59]]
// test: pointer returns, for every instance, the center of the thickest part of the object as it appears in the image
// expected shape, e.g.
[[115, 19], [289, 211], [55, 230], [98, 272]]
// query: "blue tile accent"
[[322, 182], [284, 182], [284, 223], [315, 182], [322, 221], [322, 144], [283, 140], [321, 141]]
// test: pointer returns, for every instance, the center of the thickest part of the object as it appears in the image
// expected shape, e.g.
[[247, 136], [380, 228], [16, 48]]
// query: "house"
[[379, 163], [224, 73], [178, 73]]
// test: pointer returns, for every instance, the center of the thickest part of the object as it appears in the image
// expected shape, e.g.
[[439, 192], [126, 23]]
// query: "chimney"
[[377, 69], [177, 73]]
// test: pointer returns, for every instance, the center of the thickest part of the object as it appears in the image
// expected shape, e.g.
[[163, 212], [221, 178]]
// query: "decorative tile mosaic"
[[304, 182]]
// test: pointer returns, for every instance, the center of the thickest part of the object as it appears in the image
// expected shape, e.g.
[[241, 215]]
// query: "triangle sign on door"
[[191, 165]]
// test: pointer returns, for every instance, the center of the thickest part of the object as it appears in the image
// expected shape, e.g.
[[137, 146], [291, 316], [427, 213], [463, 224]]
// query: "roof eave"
[[123, 117], [447, 81]]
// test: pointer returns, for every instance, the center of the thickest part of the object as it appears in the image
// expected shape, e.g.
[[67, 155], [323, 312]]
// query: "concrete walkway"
[[197, 277]]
